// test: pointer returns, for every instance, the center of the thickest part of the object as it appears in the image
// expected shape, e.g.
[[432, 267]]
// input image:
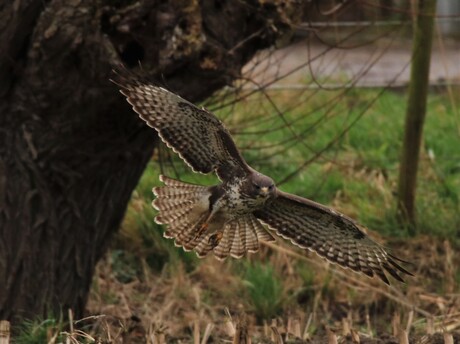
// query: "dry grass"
[[209, 304]]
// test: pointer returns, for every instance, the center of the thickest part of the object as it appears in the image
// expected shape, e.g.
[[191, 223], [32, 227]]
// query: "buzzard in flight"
[[230, 218]]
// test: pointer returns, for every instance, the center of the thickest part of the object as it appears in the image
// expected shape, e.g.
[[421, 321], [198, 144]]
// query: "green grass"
[[40, 331], [53, 331], [264, 288]]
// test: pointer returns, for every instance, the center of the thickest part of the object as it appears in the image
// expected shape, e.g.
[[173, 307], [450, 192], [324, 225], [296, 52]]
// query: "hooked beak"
[[264, 191]]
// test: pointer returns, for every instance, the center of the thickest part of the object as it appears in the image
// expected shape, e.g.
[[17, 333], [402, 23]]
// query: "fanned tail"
[[240, 236], [185, 208]]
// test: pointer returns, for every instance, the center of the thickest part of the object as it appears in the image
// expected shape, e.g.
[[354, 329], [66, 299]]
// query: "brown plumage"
[[227, 219]]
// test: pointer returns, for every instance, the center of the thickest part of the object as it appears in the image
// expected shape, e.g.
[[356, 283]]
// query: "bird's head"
[[261, 186]]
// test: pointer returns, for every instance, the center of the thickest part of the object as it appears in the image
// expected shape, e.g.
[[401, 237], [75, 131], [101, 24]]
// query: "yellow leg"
[[202, 229]]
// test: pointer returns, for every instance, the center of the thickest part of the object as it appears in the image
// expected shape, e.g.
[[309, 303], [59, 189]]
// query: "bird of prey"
[[230, 218]]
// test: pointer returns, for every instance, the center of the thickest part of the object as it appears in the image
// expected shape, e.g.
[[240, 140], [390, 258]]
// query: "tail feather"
[[176, 190], [170, 192], [168, 217], [181, 206], [185, 207], [204, 246], [165, 204], [175, 216], [222, 250], [248, 235], [185, 229], [180, 231], [185, 233], [174, 183], [238, 237], [237, 249], [189, 235]]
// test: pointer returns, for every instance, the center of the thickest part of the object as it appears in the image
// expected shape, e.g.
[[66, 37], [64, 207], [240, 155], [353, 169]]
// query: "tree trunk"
[[416, 109], [71, 149]]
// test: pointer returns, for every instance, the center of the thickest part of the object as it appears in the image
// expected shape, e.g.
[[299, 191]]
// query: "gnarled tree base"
[[71, 150]]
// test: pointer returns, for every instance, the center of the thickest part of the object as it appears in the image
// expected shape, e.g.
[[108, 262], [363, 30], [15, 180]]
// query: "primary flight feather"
[[230, 218]]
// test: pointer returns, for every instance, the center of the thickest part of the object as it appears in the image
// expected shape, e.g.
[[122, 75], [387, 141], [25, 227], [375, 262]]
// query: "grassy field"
[[340, 148]]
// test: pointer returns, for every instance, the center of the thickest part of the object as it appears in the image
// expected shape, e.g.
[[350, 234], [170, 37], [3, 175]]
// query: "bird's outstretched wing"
[[330, 234], [197, 135]]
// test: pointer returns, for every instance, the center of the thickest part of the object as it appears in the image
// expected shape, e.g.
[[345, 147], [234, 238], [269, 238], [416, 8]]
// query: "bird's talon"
[[214, 239]]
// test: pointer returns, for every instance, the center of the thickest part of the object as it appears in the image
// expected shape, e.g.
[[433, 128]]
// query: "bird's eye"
[[257, 186], [271, 187]]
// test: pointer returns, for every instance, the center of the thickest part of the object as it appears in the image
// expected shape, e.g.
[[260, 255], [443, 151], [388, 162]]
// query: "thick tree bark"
[[71, 150]]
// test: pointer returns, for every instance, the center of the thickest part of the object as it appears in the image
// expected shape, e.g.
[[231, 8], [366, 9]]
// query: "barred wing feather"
[[330, 234], [195, 134]]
